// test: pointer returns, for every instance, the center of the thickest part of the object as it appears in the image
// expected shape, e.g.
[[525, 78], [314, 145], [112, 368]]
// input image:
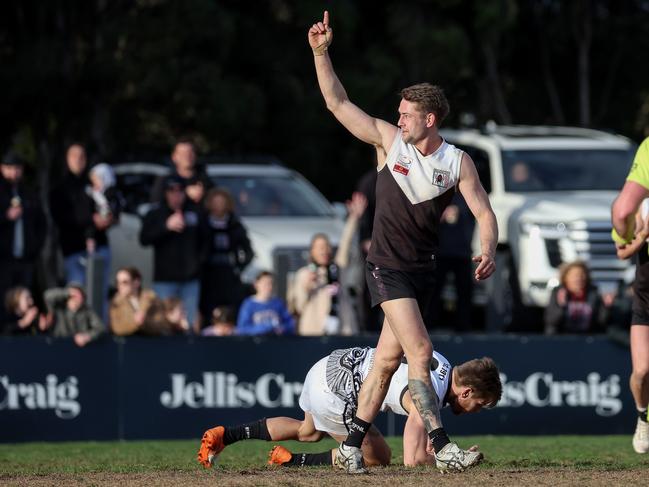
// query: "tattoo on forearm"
[[424, 398]]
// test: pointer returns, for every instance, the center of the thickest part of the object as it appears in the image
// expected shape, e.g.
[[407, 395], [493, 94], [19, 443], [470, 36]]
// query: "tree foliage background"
[[128, 76]]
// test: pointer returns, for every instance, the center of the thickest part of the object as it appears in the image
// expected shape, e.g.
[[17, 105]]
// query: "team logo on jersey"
[[441, 178], [402, 165]]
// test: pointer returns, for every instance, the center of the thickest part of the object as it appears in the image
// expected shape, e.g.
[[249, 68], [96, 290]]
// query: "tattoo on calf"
[[424, 397]]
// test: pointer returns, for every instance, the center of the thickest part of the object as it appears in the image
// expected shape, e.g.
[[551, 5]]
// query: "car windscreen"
[[565, 169], [274, 196], [136, 189]]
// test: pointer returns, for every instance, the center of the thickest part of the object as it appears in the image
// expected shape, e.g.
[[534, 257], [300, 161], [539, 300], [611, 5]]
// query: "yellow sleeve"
[[639, 172]]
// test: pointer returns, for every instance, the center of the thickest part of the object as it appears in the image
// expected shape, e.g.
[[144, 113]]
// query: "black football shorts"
[[388, 284]]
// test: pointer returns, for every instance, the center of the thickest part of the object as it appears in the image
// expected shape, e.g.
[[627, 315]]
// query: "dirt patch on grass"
[[390, 476]]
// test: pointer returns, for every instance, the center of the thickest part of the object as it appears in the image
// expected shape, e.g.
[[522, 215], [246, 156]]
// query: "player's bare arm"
[[416, 444], [478, 202], [425, 400], [625, 206], [368, 129]]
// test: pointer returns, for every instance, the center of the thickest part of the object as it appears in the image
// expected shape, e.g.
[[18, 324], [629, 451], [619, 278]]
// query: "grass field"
[[563, 460]]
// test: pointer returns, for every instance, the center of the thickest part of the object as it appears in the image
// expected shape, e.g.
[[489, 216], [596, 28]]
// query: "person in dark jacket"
[[576, 305], [175, 228], [22, 227], [72, 211], [372, 317], [229, 252], [185, 167], [454, 257]]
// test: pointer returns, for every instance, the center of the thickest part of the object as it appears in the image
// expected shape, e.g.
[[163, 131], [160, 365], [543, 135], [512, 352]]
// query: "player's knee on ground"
[[380, 460], [377, 456], [417, 459], [376, 451]]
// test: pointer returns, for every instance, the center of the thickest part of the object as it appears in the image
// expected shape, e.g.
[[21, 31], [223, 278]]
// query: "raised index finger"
[[325, 19]]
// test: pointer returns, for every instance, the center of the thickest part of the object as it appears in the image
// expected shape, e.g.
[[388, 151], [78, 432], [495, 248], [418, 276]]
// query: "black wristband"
[[439, 438]]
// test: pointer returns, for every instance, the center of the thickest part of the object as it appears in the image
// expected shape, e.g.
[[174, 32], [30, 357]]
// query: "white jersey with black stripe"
[[440, 376], [347, 369]]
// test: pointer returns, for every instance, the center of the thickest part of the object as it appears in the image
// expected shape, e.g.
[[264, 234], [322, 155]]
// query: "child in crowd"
[[223, 323], [166, 317], [22, 316], [263, 314]]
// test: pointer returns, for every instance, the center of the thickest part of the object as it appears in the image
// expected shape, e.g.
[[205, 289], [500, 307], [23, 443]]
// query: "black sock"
[[257, 430], [357, 431], [643, 415], [439, 438], [306, 459]]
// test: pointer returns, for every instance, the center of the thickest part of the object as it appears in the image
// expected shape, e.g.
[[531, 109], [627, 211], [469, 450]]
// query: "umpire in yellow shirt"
[[624, 210]]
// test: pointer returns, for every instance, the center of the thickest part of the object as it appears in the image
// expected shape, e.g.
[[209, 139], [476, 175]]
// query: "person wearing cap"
[[176, 229], [68, 315], [186, 168], [22, 227]]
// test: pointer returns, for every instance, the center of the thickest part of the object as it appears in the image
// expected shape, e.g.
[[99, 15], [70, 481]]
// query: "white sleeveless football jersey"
[[440, 376]]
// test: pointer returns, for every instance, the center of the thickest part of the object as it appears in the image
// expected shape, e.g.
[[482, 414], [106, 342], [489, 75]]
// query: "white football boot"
[[452, 458], [641, 437], [350, 459]]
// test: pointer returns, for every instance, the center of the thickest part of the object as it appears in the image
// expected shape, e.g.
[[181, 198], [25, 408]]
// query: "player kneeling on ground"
[[329, 399]]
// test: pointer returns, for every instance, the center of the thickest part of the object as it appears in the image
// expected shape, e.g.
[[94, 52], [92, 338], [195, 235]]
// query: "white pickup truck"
[[551, 189], [280, 209]]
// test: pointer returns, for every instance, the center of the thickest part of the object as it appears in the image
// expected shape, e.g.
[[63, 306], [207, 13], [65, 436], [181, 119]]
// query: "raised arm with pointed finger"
[[368, 129]]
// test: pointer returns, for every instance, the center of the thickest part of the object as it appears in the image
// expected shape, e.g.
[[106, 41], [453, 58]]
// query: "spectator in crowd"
[[107, 204], [454, 257], [576, 305], [175, 228], [187, 169], [22, 227], [371, 316], [229, 252], [263, 313], [70, 316], [222, 324], [165, 318], [72, 211], [129, 306], [22, 316], [316, 295], [521, 178]]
